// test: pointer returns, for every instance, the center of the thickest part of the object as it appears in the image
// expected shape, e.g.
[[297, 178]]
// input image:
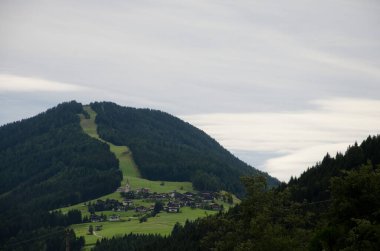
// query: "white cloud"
[[12, 83], [301, 138]]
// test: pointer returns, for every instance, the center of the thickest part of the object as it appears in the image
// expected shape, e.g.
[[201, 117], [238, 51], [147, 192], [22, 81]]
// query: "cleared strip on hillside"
[[122, 153]]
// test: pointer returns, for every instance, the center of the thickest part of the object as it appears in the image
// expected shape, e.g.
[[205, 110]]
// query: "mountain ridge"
[[167, 148]]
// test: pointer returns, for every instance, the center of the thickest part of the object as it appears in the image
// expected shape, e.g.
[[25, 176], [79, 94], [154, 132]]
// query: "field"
[[161, 224]]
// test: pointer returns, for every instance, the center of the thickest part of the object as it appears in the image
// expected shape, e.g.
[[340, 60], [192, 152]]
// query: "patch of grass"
[[122, 153], [161, 224], [88, 125], [155, 186], [126, 163]]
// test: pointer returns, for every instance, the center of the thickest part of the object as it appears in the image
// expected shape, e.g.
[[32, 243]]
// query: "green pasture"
[[161, 224], [122, 153]]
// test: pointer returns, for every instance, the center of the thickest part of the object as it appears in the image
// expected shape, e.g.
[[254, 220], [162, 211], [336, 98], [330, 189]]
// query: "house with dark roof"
[[114, 217]]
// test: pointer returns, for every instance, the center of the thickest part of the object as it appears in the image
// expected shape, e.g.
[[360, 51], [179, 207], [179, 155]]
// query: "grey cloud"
[[194, 57]]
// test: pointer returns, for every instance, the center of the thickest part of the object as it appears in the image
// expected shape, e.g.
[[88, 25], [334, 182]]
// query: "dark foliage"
[[101, 205], [47, 162], [49, 239], [166, 148], [270, 219], [314, 183]]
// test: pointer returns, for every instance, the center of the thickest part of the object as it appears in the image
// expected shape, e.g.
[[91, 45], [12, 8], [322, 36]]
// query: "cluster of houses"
[[172, 202], [203, 200], [175, 200], [100, 218]]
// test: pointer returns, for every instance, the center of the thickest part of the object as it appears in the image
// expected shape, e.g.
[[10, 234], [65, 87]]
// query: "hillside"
[[128, 219], [314, 184], [47, 162], [57, 159], [140, 206], [167, 148], [332, 206]]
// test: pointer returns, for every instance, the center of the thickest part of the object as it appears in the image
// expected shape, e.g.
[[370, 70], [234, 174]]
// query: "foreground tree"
[[354, 218]]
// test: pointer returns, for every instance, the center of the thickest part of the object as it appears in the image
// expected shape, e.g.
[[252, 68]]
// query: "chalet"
[[173, 210], [173, 207], [189, 195], [207, 197], [141, 209], [158, 196], [186, 201], [128, 203], [114, 218], [216, 207], [176, 195], [95, 218], [143, 190]]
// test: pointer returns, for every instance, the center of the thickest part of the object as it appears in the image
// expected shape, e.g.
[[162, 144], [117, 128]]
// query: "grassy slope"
[[161, 224], [126, 163]]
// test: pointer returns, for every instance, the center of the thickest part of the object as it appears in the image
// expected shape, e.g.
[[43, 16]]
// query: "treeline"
[[46, 229], [47, 162], [166, 148], [54, 239], [348, 217], [314, 183]]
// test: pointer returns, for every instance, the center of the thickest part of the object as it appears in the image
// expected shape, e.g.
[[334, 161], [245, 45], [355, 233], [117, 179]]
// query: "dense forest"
[[334, 205], [166, 148], [47, 162], [313, 184]]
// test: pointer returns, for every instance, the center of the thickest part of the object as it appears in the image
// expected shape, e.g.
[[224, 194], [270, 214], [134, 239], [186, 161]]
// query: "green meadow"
[[161, 224]]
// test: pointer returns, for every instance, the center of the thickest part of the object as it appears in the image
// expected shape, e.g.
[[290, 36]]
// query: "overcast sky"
[[278, 83]]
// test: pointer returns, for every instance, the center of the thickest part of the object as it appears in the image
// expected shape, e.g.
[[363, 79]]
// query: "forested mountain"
[[166, 148], [48, 162], [343, 215]]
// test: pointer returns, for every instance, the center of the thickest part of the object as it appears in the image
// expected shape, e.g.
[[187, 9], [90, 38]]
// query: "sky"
[[278, 83]]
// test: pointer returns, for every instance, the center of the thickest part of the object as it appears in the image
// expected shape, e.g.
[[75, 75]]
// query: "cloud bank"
[[297, 140], [12, 83]]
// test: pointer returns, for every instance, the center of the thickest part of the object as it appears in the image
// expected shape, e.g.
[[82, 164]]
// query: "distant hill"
[[167, 148]]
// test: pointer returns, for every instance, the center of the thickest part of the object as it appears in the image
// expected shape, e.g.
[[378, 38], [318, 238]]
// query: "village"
[[154, 203]]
